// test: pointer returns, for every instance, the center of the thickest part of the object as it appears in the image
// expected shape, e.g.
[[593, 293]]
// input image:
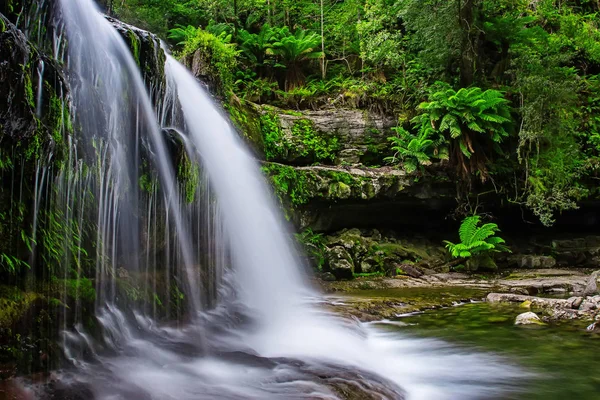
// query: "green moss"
[[134, 42], [28, 87], [34, 143], [147, 183], [275, 147], [291, 185], [188, 174], [292, 113], [13, 303], [82, 288], [247, 121], [58, 120], [220, 57], [312, 143], [369, 275]]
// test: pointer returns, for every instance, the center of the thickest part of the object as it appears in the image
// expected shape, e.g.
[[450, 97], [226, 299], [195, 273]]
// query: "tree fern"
[[466, 119], [476, 240], [293, 49]]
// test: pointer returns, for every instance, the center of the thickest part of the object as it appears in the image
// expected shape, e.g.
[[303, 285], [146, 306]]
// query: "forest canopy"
[[505, 91]]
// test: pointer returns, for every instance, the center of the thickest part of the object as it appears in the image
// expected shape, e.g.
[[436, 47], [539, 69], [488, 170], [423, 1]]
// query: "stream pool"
[[564, 356]]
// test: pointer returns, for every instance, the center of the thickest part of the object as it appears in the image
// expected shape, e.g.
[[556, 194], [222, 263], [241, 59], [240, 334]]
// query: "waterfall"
[[267, 270], [255, 328], [116, 117]]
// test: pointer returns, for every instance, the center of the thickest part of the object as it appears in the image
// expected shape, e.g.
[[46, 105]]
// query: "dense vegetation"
[[506, 91]]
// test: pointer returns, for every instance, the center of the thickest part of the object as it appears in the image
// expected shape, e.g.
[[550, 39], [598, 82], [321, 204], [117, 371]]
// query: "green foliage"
[[256, 47], [12, 264], [312, 143], [182, 34], [220, 55], [294, 49], [159, 16], [467, 119], [476, 240], [274, 145], [188, 174], [413, 151], [314, 245], [290, 184], [82, 288], [523, 76]]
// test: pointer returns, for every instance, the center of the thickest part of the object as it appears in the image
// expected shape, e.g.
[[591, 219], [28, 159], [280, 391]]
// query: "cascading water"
[[256, 328]]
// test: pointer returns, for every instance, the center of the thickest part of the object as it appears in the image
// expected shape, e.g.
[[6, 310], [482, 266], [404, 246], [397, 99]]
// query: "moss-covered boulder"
[[31, 321], [352, 252]]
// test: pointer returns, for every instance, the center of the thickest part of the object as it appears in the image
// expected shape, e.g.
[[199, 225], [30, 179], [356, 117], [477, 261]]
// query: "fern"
[[462, 118], [476, 240], [413, 151]]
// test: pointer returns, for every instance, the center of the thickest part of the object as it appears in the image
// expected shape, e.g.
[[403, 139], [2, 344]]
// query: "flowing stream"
[[255, 328]]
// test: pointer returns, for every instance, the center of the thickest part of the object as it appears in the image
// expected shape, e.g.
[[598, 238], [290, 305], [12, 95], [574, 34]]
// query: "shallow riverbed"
[[564, 355]]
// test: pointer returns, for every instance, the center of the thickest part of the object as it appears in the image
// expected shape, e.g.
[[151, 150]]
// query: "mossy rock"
[[483, 263], [13, 304]]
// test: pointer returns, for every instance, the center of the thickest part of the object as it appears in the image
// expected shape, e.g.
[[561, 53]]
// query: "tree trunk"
[[269, 13], [469, 41], [322, 42], [235, 17]]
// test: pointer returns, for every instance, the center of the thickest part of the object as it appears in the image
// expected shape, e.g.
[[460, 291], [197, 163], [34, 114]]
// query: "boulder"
[[575, 302], [340, 263], [528, 318], [592, 286], [409, 270], [569, 244], [481, 263]]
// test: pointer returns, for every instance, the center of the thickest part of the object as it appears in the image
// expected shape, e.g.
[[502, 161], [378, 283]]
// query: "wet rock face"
[[26, 76], [148, 54], [17, 107], [356, 136]]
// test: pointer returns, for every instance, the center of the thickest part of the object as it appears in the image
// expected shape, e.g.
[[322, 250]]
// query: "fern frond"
[[468, 228]]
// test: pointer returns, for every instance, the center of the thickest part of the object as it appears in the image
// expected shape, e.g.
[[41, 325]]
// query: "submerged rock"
[[528, 318]]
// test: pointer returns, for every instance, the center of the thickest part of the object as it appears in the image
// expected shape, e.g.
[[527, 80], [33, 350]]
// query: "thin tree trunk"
[[235, 17], [469, 42], [322, 42]]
